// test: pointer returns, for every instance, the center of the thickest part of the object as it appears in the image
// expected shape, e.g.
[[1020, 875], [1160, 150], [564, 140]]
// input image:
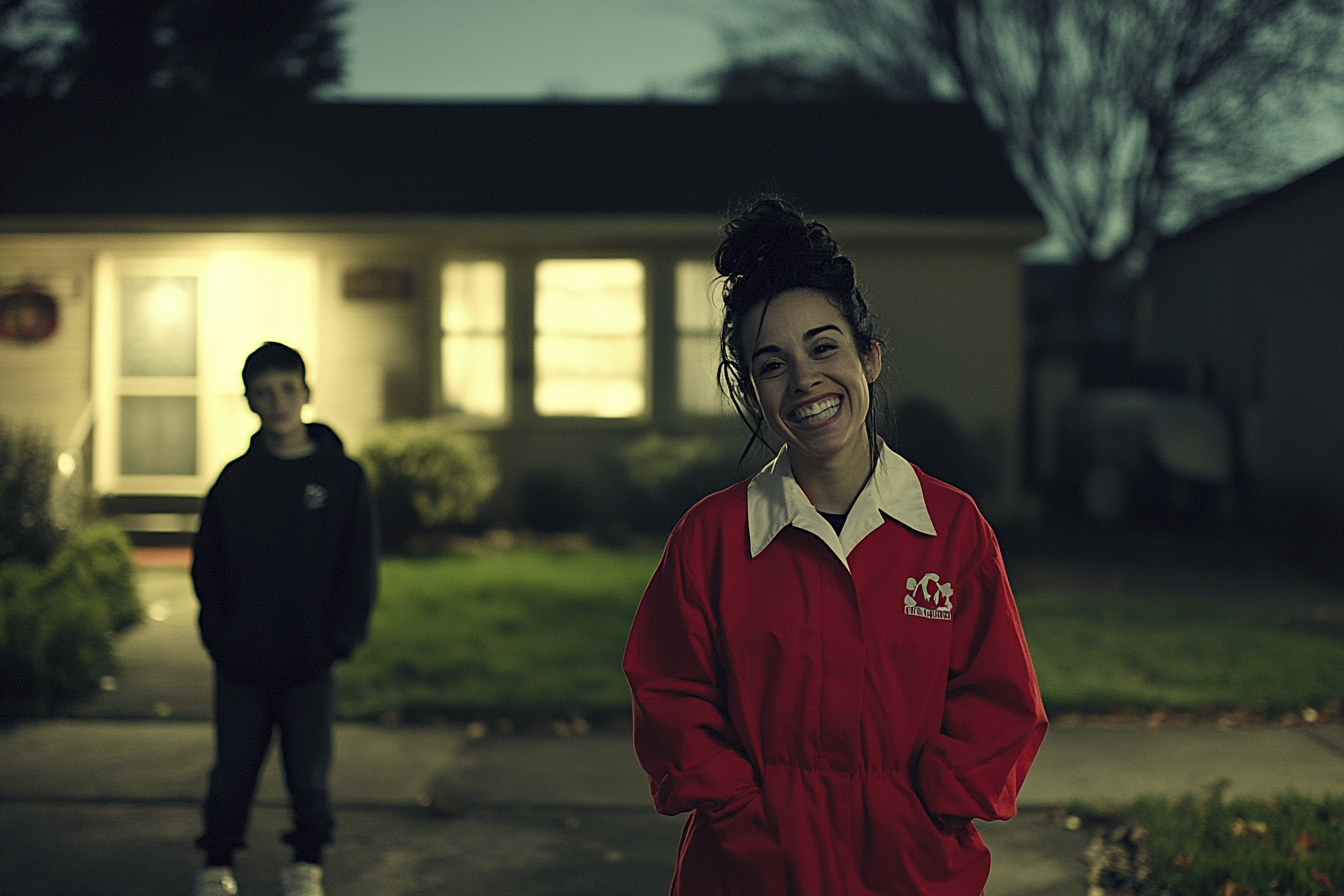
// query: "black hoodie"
[[285, 563]]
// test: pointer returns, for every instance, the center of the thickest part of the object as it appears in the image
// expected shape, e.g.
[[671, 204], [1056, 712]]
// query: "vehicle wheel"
[[1107, 493]]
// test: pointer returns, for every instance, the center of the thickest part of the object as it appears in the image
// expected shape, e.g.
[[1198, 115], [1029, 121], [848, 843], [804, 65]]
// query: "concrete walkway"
[[106, 801]]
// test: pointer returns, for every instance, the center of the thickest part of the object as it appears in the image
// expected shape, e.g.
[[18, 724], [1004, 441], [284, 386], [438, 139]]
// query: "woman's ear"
[[872, 365]]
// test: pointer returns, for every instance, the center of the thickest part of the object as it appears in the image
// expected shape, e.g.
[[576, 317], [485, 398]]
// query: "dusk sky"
[[530, 49]]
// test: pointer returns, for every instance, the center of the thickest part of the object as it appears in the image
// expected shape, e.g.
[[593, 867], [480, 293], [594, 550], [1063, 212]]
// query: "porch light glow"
[[169, 301]]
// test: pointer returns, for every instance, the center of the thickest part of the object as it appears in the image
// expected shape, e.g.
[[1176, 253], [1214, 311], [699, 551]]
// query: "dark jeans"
[[245, 716]]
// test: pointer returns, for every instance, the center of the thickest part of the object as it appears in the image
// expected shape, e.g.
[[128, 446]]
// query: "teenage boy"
[[284, 565]]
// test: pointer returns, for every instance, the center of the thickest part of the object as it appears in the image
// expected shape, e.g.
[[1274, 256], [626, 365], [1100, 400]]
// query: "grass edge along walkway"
[[536, 633]]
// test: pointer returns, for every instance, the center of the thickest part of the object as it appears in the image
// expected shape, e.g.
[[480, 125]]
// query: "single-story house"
[[538, 273], [1252, 302]]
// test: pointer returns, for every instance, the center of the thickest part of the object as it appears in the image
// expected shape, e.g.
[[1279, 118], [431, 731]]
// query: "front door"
[[170, 336]]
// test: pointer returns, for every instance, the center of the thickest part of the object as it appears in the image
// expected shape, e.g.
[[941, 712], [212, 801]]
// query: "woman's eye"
[[822, 348], [769, 367]]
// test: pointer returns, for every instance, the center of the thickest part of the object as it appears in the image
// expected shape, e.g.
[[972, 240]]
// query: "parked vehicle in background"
[[1127, 453]]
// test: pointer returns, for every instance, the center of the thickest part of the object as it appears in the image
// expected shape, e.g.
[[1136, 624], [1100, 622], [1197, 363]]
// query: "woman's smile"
[[816, 412], [810, 382]]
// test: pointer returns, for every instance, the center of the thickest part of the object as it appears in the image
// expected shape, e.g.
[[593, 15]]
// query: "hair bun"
[[772, 232]]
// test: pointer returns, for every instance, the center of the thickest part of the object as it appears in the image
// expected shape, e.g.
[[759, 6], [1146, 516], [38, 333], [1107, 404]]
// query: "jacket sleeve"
[[356, 582], [993, 720], [207, 573], [683, 736]]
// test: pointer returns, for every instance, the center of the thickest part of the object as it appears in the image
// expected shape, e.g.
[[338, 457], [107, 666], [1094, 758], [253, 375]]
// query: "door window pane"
[[472, 317], [158, 435], [590, 341], [158, 326]]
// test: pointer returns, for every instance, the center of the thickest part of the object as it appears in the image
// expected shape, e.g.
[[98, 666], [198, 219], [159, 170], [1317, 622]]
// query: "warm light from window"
[[590, 355], [699, 306], [472, 316]]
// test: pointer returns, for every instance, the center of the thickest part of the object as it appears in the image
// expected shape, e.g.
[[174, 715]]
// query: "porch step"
[[154, 520]]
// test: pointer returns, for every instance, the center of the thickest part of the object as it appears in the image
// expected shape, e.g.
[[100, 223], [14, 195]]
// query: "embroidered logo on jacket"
[[928, 597], [314, 496]]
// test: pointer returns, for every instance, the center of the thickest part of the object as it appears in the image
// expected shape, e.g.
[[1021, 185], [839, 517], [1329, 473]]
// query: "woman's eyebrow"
[[808, 336], [764, 350]]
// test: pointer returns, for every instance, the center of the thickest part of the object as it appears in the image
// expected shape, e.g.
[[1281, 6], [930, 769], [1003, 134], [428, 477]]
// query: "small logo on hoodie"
[[314, 496], [928, 597]]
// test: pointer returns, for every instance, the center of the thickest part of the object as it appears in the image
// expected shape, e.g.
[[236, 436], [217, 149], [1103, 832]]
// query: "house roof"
[[155, 158], [1328, 177]]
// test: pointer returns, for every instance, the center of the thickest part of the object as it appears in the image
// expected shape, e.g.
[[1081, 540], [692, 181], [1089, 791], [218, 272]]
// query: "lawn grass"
[[530, 633], [521, 633], [1108, 650], [1196, 846]]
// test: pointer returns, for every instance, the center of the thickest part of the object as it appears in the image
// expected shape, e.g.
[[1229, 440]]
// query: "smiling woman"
[[811, 382], [828, 668]]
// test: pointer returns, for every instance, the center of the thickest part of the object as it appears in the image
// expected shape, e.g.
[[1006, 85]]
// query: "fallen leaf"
[[1183, 861], [1322, 878], [1304, 845]]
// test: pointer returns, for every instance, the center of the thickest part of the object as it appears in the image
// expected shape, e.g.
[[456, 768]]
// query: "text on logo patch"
[[928, 597]]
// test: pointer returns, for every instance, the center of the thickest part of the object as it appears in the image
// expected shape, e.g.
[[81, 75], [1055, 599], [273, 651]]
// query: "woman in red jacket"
[[827, 667]]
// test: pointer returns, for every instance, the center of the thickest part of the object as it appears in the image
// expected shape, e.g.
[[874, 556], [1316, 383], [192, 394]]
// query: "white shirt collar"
[[775, 500]]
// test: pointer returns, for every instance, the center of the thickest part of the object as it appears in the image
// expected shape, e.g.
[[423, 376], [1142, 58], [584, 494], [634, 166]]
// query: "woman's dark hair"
[[768, 249]]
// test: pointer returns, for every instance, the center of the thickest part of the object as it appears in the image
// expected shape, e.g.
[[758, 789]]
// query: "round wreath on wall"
[[28, 313]]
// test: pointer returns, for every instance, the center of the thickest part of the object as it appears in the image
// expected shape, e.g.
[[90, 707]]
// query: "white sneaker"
[[214, 880], [302, 879]]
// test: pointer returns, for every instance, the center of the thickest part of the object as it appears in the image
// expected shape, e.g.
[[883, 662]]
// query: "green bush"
[[27, 465], [927, 436], [668, 474], [427, 478], [97, 559], [552, 501], [57, 621]]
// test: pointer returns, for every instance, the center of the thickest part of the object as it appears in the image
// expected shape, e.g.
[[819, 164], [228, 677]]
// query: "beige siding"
[[948, 296], [46, 384], [953, 322], [371, 352]]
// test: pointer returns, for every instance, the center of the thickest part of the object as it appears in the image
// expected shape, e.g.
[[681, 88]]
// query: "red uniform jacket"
[[833, 725]]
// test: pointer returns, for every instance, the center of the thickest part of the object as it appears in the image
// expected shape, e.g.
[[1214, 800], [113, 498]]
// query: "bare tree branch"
[[1125, 121]]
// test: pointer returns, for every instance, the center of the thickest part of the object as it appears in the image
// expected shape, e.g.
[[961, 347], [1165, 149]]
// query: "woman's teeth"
[[817, 412]]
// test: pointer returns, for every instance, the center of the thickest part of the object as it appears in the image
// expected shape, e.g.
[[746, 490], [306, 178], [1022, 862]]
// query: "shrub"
[[426, 478], [552, 501], [56, 622], [97, 559], [27, 465], [927, 436], [668, 474]]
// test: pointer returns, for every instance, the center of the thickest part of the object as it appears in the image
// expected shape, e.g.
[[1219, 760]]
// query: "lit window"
[[473, 338], [699, 304], [590, 356]]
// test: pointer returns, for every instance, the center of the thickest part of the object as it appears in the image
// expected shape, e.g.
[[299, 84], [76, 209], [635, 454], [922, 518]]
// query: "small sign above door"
[[376, 283]]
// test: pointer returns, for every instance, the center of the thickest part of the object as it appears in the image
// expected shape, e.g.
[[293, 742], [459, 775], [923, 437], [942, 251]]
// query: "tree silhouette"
[[1124, 121], [96, 49], [794, 77]]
